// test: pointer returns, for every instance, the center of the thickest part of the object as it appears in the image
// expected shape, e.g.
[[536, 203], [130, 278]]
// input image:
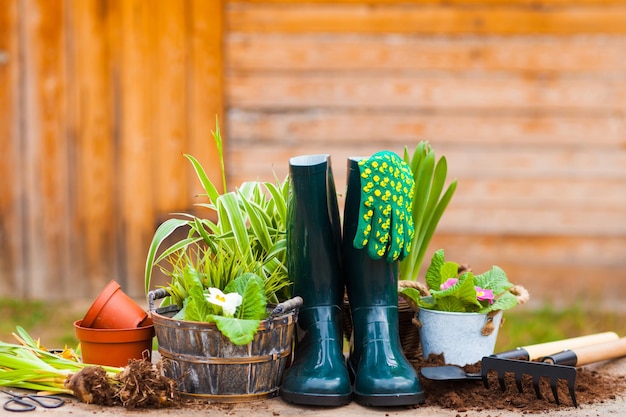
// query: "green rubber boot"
[[318, 375], [382, 374]]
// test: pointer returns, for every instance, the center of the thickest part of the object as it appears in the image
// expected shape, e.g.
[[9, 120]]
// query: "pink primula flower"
[[450, 282], [484, 294]]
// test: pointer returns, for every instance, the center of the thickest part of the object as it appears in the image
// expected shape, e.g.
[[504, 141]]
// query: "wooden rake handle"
[[589, 354], [532, 352]]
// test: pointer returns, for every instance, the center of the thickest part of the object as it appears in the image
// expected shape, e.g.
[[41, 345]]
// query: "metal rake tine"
[[485, 380], [572, 392], [518, 381], [501, 376], [553, 386], [536, 380]]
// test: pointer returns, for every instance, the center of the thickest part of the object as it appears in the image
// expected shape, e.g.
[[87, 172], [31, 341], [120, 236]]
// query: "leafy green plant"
[[237, 312], [448, 291], [429, 203], [247, 237]]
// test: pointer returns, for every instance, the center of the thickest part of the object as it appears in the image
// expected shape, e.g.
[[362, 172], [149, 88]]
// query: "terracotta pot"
[[113, 309], [114, 347]]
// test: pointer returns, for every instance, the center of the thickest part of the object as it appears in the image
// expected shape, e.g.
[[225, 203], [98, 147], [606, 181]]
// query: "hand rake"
[[555, 367]]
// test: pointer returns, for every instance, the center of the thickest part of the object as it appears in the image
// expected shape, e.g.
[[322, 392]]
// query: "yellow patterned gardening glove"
[[385, 221]]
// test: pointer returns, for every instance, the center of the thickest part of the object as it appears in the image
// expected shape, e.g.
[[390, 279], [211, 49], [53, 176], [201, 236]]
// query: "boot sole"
[[389, 400], [315, 399]]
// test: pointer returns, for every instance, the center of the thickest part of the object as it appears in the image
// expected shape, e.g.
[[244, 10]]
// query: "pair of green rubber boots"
[[320, 263]]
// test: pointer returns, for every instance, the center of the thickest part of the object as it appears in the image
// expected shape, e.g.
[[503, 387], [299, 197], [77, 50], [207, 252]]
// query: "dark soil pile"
[[591, 387]]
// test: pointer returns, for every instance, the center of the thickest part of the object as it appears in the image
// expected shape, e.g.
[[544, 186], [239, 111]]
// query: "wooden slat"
[[438, 19], [534, 221], [168, 121], [553, 197], [463, 162], [94, 171], [206, 95], [553, 193], [12, 273], [557, 269], [534, 251], [587, 56], [397, 129], [403, 92], [133, 103], [45, 141], [489, 177]]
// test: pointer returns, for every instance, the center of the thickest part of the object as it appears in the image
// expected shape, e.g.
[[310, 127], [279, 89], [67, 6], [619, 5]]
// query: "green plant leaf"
[[279, 199], [433, 273], [163, 231], [504, 302], [467, 291], [463, 291], [448, 270], [232, 220], [414, 295], [217, 137], [176, 247], [207, 185], [495, 279], [450, 303], [258, 223], [197, 308], [250, 286], [238, 331]]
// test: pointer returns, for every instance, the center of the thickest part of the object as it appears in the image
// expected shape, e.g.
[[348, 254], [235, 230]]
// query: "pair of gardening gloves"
[[385, 224]]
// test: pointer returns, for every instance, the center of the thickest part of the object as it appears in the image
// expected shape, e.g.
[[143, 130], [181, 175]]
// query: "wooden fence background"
[[99, 99]]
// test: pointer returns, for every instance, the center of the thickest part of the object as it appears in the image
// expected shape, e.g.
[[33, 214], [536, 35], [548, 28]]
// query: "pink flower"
[[484, 294], [450, 282]]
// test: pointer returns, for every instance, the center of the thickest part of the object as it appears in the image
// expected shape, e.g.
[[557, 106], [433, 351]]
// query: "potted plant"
[[218, 336], [462, 306]]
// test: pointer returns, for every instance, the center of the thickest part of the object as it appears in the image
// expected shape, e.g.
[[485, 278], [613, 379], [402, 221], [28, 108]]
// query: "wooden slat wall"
[[526, 99], [98, 102]]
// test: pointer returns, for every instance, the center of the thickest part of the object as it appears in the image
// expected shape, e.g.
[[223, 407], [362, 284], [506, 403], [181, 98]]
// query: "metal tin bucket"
[[206, 365], [458, 336]]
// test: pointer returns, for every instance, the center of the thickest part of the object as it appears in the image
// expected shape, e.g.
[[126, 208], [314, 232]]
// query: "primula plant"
[[237, 311], [465, 293]]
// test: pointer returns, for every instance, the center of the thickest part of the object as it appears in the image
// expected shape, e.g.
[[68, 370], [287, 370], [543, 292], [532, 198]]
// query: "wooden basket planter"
[[206, 365]]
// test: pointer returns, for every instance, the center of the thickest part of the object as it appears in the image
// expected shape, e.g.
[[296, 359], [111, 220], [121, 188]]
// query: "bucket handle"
[[286, 306], [156, 295]]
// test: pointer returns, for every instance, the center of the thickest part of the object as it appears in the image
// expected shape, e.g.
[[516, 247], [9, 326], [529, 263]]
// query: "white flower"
[[229, 302]]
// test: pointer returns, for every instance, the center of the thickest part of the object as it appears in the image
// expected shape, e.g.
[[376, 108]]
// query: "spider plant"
[[248, 236]]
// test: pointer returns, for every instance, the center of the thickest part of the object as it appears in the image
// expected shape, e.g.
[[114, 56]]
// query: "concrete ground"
[[275, 407]]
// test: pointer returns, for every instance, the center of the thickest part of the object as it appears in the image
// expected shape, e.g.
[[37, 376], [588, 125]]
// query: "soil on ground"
[[591, 387], [142, 385]]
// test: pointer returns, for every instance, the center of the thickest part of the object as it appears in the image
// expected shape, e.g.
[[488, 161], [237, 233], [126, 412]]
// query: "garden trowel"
[[525, 353]]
